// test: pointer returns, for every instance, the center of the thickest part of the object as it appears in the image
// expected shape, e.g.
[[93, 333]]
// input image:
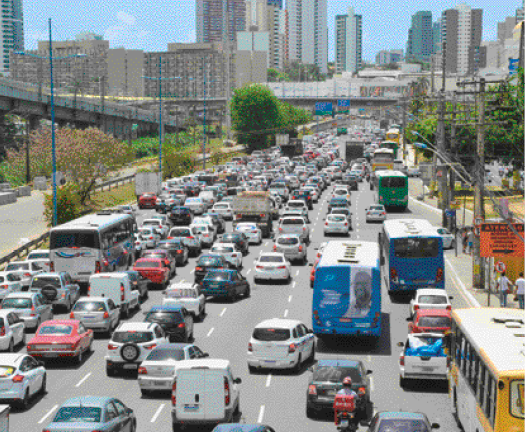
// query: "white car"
[[9, 282], [25, 270], [376, 213], [430, 298], [41, 256], [340, 192], [229, 252], [205, 220], [251, 231], [11, 330], [21, 378], [204, 232], [196, 205], [157, 225], [297, 205], [224, 209], [449, 242], [148, 237], [156, 372], [336, 224], [188, 295], [280, 344], [272, 266]]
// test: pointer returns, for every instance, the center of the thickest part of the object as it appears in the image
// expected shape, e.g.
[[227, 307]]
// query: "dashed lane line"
[[286, 313], [289, 299], [248, 272], [43, 419], [261, 414], [210, 332], [157, 413], [83, 379], [268, 380], [222, 313]]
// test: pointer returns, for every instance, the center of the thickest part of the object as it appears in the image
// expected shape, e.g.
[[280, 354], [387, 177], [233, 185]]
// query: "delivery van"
[[117, 287]]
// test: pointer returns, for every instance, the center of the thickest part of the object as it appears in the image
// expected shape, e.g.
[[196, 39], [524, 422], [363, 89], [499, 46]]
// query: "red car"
[[61, 338], [147, 200], [154, 269], [430, 321]]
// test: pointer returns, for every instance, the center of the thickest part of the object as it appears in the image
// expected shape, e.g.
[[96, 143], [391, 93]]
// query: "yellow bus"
[[487, 362], [393, 135], [383, 159]]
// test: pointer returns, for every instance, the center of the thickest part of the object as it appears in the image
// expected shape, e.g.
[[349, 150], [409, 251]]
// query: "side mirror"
[[451, 297], [400, 344], [310, 330], [237, 381], [364, 423], [311, 368], [435, 426], [368, 372]]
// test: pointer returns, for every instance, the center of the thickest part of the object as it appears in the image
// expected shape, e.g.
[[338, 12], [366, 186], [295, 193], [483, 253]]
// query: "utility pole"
[[432, 57], [404, 104], [226, 46], [441, 141]]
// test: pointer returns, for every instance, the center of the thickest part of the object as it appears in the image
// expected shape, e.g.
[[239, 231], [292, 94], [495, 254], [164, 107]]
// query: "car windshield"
[[271, 334], [166, 354], [414, 247], [184, 232], [296, 204], [209, 261], [132, 336], [16, 303], [73, 414], [42, 281], [405, 425], [376, 207], [342, 211], [220, 206], [56, 330], [200, 229], [246, 227], [218, 276], [336, 373], [434, 321], [164, 317], [151, 222], [287, 240], [74, 239], [393, 182], [147, 264], [90, 307], [271, 259], [432, 299]]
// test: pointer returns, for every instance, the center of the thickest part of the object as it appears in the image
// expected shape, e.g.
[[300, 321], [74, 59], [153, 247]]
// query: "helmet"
[[347, 382]]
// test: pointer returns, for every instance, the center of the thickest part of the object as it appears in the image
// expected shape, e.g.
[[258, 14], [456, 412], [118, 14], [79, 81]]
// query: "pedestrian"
[[464, 239], [470, 238], [503, 288], [520, 291]]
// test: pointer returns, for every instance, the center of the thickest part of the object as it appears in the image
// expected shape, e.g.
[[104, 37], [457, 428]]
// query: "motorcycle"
[[347, 421]]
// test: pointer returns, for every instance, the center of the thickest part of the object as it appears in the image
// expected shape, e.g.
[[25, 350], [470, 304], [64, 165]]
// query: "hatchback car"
[[230, 252], [229, 284], [177, 249], [224, 209], [405, 421], [209, 262], [196, 205], [9, 283], [327, 380], [430, 298], [190, 239], [100, 413], [430, 321], [237, 238], [251, 231], [32, 308], [336, 224], [338, 202], [97, 313], [148, 237], [174, 319], [272, 266], [295, 225], [166, 257], [154, 269], [25, 270], [292, 247], [303, 195], [180, 215], [205, 233], [147, 201], [11, 330], [188, 295], [376, 213]]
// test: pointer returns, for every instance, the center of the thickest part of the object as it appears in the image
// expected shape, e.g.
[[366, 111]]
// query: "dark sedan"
[[229, 284], [209, 262], [239, 239], [304, 195], [139, 283], [175, 320], [177, 249], [180, 215]]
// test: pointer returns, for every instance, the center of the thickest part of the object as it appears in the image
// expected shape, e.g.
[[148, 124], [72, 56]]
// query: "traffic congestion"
[[306, 292]]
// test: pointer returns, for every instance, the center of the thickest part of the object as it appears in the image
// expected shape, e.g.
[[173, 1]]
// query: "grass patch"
[[111, 198]]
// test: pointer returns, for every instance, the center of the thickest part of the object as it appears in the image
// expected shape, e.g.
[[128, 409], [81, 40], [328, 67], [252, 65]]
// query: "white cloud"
[[124, 32], [126, 18]]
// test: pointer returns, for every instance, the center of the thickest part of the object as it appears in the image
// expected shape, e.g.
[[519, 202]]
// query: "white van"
[[117, 287], [204, 392]]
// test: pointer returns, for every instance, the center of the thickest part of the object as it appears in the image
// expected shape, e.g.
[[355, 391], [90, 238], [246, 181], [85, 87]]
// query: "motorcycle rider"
[[346, 391]]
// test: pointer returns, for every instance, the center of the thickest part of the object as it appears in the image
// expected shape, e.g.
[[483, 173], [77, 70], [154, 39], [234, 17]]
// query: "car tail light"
[[18, 378], [4, 286], [448, 362], [250, 347], [174, 392], [181, 325], [2, 331], [280, 229], [346, 223], [304, 228], [151, 238], [259, 267], [383, 214], [300, 248], [27, 274], [52, 266], [439, 274], [292, 348], [281, 267], [274, 248], [112, 347], [97, 267], [72, 315], [226, 392], [361, 391], [326, 223], [106, 315], [312, 390], [402, 360], [393, 273], [150, 347], [88, 290], [449, 307], [179, 251], [416, 307], [262, 215], [122, 295], [198, 268], [170, 237], [33, 310], [190, 238]]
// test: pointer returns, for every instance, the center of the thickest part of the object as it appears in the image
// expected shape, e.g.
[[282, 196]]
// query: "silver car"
[[97, 313], [376, 213], [336, 224], [291, 246], [295, 225], [32, 308]]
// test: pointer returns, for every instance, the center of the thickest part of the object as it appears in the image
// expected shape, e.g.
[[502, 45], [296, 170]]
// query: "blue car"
[[407, 421], [104, 414], [241, 427]]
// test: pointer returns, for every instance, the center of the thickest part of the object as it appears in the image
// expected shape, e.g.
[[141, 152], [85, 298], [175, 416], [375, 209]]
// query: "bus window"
[[393, 182], [413, 247], [516, 399], [64, 239]]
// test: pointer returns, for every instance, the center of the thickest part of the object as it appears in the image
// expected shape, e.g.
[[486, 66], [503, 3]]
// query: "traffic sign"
[[440, 173], [498, 240], [455, 204], [478, 220], [500, 266]]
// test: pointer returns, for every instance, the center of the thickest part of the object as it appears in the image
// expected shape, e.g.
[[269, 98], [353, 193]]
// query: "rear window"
[[218, 276], [56, 330], [83, 414], [432, 299], [181, 293], [288, 240], [414, 247], [200, 229], [393, 182], [185, 232], [166, 354], [42, 281], [163, 317], [376, 207], [132, 336], [70, 239], [296, 204], [430, 321], [222, 249], [16, 303], [17, 266], [209, 261], [271, 259], [271, 334], [292, 221], [90, 307], [337, 218], [336, 374], [405, 425], [147, 264]]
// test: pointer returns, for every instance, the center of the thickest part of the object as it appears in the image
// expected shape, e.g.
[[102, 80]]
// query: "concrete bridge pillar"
[[33, 122]]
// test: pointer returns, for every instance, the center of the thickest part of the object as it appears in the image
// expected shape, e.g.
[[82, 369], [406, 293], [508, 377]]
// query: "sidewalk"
[[461, 266]]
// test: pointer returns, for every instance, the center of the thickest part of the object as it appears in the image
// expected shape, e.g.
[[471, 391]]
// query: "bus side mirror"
[[400, 344]]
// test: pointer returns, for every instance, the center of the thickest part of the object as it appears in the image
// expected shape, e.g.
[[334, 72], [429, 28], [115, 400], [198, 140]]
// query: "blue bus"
[[347, 290], [412, 252]]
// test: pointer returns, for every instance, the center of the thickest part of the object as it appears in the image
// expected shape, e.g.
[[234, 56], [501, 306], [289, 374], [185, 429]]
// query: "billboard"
[[323, 108], [343, 106]]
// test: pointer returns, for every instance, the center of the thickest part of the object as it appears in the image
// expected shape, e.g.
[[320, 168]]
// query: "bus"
[[393, 134], [347, 290], [412, 252], [92, 244], [383, 159], [486, 375], [392, 189], [392, 145]]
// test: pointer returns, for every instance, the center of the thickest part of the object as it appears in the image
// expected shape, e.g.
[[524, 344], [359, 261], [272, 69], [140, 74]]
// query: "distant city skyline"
[[140, 26]]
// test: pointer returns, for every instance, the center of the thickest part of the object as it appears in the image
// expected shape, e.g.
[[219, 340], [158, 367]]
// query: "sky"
[[152, 25]]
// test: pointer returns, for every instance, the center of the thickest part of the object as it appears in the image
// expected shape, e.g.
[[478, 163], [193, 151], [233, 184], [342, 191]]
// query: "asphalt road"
[[277, 399]]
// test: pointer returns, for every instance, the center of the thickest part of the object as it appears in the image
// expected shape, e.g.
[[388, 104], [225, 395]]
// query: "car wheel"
[[38, 322], [289, 279], [202, 314], [68, 305], [256, 280], [310, 412], [79, 357], [247, 292], [252, 369], [43, 387], [11, 347], [24, 402], [297, 368], [110, 372]]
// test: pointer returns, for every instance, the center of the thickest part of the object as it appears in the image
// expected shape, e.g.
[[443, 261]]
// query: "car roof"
[[279, 254], [221, 271], [238, 427], [135, 326], [11, 358], [279, 323], [88, 400], [401, 414], [428, 291], [224, 244], [92, 299], [339, 363]]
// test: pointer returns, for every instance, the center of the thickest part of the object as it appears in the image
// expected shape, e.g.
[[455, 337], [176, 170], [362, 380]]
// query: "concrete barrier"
[[4, 187], [7, 198], [40, 183], [24, 191]]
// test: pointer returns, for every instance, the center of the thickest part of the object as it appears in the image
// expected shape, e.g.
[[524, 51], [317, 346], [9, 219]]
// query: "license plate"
[[51, 354], [344, 423], [158, 383], [345, 320], [330, 392], [189, 407], [270, 361], [426, 368], [130, 366], [89, 316]]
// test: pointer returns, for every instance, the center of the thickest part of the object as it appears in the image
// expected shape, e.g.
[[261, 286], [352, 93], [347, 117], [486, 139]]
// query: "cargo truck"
[[354, 150], [256, 207]]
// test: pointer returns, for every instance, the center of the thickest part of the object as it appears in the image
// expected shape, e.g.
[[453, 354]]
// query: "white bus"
[[92, 244]]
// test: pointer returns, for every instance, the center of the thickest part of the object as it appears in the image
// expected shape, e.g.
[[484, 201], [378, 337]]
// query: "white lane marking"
[[266, 244], [297, 273], [357, 236], [268, 380], [369, 358], [193, 271], [473, 301], [261, 414], [157, 413], [293, 285], [182, 280], [313, 229], [210, 332], [289, 298], [371, 384], [248, 272], [222, 313], [83, 379], [286, 313], [43, 419]]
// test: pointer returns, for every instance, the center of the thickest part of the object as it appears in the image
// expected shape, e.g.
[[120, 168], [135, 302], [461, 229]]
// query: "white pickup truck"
[[423, 357]]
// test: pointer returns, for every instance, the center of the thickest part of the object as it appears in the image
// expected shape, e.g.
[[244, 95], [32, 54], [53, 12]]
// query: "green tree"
[[68, 205]]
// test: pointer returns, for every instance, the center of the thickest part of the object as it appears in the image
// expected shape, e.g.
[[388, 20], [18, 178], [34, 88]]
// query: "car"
[[157, 370], [180, 215], [189, 238], [242, 427], [340, 192], [217, 220], [413, 171], [177, 248], [297, 204], [118, 287], [32, 308], [343, 211], [61, 338], [280, 344], [251, 231], [449, 241], [130, 344], [9, 283], [138, 283], [165, 256], [303, 195], [294, 213], [205, 233], [327, 380], [11, 330], [21, 378], [405, 421], [295, 225], [230, 284], [208, 262], [430, 298], [100, 413], [291, 245], [25, 270], [165, 203], [99, 314], [375, 213], [149, 236], [174, 319], [272, 266], [230, 252], [336, 224], [430, 321], [147, 201], [237, 238], [196, 205], [58, 288], [41, 256], [314, 191], [338, 202], [224, 209], [158, 225], [188, 295]]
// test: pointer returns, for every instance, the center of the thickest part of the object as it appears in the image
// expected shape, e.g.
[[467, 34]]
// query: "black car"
[[191, 190], [207, 262], [218, 221], [303, 195], [238, 239], [177, 249], [229, 284], [139, 283], [180, 215], [175, 320]]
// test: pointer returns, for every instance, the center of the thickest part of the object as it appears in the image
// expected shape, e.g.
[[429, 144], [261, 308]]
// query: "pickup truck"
[[57, 288], [423, 357]]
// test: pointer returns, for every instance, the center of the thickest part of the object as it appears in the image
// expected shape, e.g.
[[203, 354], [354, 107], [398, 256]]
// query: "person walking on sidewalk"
[[503, 288], [470, 238], [520, 291], [464, 239]]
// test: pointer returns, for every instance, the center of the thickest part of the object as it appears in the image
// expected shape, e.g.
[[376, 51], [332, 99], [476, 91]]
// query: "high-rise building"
[[506, 27], [348, 42], [420, 44], [385, 57], [519, 14], [436, 36], [252, 57], [461, 30], [210, 19], [308, 36], [12, 35]]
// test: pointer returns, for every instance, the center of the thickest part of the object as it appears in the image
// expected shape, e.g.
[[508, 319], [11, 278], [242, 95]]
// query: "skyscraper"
[[308, 35], [461, 30], [348, 42], [12, 35], [506, 27], [420, 43], [436, 36], [210, 21]]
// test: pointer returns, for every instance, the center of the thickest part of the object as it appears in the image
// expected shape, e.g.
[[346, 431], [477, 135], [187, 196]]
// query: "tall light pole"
[[53, 138]]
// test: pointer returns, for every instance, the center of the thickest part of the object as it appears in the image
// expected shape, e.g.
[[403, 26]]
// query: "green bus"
[[392, 189], [392, 145]]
